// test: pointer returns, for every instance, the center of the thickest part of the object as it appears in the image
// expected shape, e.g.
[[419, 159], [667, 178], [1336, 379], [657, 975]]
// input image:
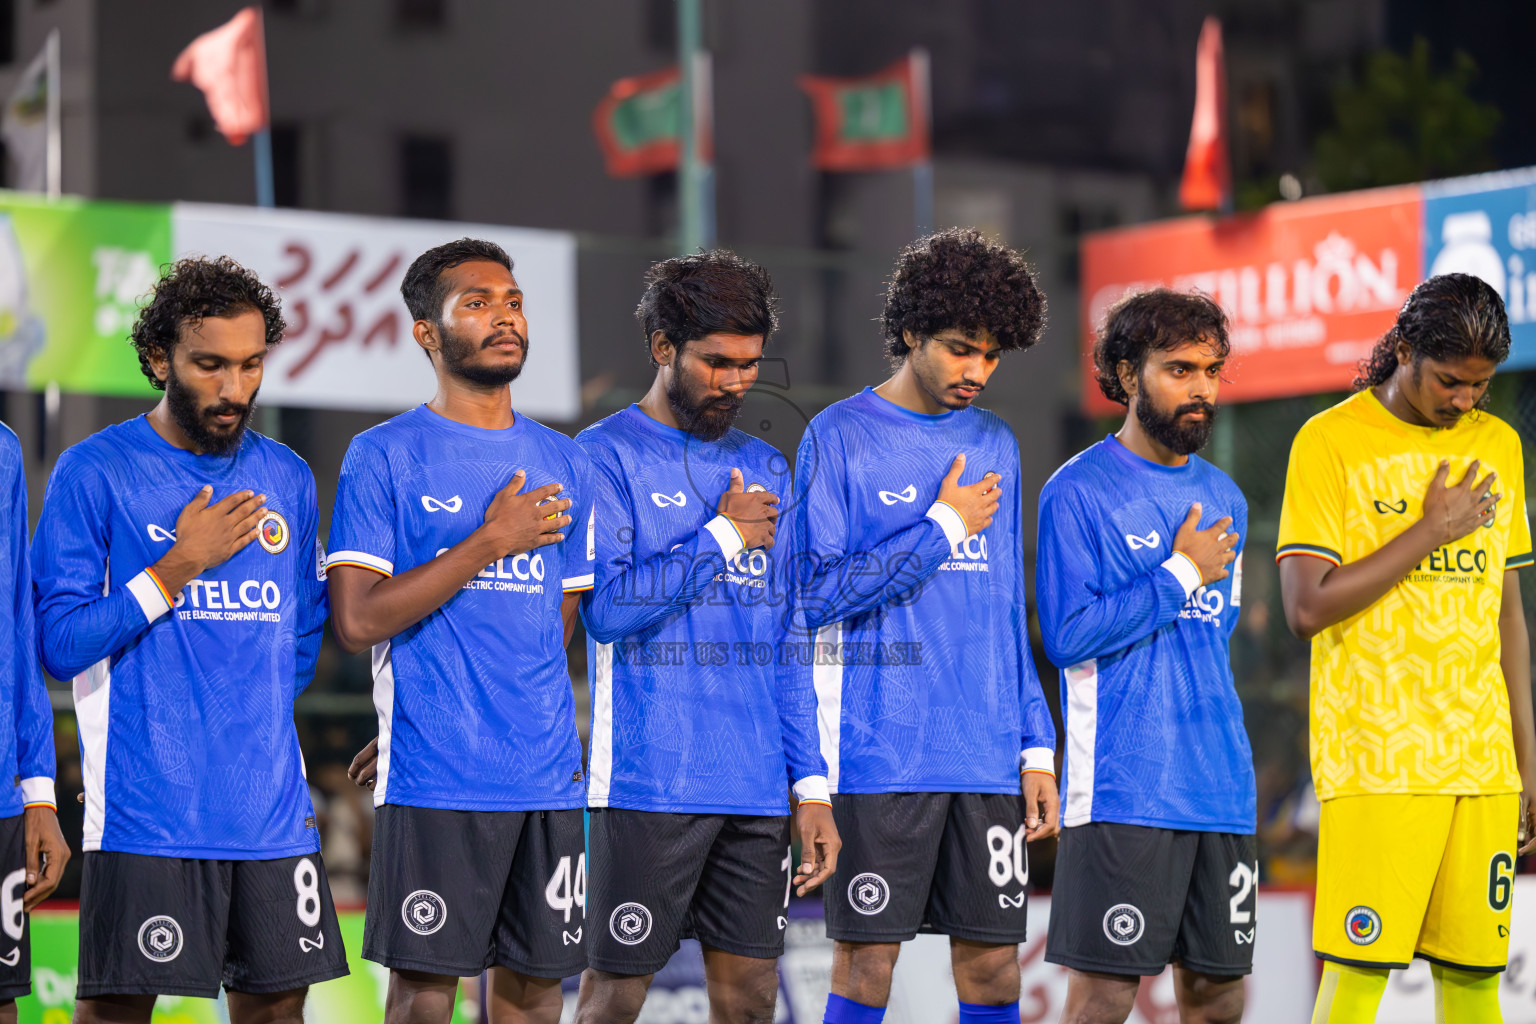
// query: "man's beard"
[[458, 350], [1179, 437], [705, 420], [196, 422]]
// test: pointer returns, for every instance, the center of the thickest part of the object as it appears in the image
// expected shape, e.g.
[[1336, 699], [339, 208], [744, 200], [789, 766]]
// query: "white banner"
[[1280, 990], [349, 343]]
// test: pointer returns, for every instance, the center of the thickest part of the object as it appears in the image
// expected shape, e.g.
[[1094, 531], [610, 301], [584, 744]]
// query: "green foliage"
[[1403, 121]]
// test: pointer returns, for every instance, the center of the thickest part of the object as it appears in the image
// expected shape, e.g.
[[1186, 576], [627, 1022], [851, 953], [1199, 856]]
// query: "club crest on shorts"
[[160, 939], [868, 893], [1362, 925], [272, 532], [1123, 924], [630, 923], [424, 912]]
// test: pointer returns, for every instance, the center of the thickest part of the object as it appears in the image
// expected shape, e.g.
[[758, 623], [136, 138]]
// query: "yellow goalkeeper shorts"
[[1400, 876]]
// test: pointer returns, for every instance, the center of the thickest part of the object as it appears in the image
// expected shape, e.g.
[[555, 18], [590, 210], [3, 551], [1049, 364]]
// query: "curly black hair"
[[1153, 321], [191, 289], [715, 292], [957, 279], [1451, 316], [423, 288]]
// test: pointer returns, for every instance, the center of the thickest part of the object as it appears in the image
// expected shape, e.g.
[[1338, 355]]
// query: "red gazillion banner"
[[1309, 286]]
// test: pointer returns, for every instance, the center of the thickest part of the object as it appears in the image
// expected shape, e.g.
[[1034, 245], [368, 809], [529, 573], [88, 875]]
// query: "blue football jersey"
[[184, 701], [474, 701], [924, 678], [1154, 729], [26, 717], [701, 702]]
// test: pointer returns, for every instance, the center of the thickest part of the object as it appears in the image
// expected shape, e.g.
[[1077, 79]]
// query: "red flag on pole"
[[230, 65], [1207, 183], [872, 123]]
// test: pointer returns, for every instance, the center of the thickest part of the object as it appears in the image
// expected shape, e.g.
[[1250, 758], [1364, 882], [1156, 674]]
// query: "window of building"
[[426, 177]]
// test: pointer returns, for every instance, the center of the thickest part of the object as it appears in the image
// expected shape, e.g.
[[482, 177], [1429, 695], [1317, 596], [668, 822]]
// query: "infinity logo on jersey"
[[272, 532], [662, 500], [424, 912], [868, 893], [431, 504], [630, 923], [1123, 924], [1151, 540], [908, 495], [158, 533], [160, 939], [1362, 925], [1386, 507]]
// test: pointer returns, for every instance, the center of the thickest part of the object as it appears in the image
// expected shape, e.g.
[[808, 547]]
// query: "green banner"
[[358, 997], [71, 275]]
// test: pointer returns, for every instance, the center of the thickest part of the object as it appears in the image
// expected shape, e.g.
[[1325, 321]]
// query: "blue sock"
[[846, 1011], [974, 1013]]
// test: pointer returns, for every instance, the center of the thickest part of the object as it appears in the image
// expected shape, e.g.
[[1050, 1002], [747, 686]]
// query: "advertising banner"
[[1486, 226], [1309, 286], [73, 273], [359, 997], [349, 343]]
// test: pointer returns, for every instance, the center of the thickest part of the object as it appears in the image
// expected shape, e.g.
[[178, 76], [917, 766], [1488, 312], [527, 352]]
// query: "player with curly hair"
[[1401, 536], [1138, 585], [938, 741], [177, 575]]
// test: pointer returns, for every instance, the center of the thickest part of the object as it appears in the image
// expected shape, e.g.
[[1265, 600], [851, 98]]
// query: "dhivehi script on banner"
[[349, 343], [74, 272]]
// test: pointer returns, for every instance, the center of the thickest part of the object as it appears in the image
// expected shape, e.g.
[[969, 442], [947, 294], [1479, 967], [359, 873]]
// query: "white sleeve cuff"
[[574, 583], [949, 521], [1038, 759], [360, 559], [1184, 570], [726, 535], [149, 595], [38, 790], [813, 787]]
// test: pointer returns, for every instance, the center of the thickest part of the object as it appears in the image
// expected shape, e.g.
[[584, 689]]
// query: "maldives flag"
[[872, 123], [230, 65], [639, 124], [1207, 183]]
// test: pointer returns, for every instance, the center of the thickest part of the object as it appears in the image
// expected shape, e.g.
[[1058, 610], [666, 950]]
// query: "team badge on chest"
[[272, 532]]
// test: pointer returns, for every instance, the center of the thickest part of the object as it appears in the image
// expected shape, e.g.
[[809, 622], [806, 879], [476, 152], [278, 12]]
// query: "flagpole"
[[922, 170], [696, 227], [55, 146], [261, 143]]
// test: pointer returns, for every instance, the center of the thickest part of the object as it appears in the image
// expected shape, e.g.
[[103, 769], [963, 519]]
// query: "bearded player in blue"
[[32, 849], [938, 738], [179, 585], [703, 715], [1139, 584], [460, 544]]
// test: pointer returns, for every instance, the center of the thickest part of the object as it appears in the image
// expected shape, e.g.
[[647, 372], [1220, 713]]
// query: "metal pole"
[[55, 116], [922, 171], [695, 176], [261, 143]]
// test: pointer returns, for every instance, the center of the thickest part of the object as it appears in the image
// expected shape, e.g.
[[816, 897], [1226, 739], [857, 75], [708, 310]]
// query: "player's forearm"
[[73, 637], [1515, 660], [1109, 622], [367, 609], [1318, 595], [834, 589], [642, 595]]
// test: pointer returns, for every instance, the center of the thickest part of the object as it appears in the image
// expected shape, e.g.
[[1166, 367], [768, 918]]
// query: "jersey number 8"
[[1008, 861]]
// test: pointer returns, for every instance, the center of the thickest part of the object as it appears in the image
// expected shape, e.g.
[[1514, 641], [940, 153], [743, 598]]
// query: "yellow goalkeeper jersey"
[[1408, 695]]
